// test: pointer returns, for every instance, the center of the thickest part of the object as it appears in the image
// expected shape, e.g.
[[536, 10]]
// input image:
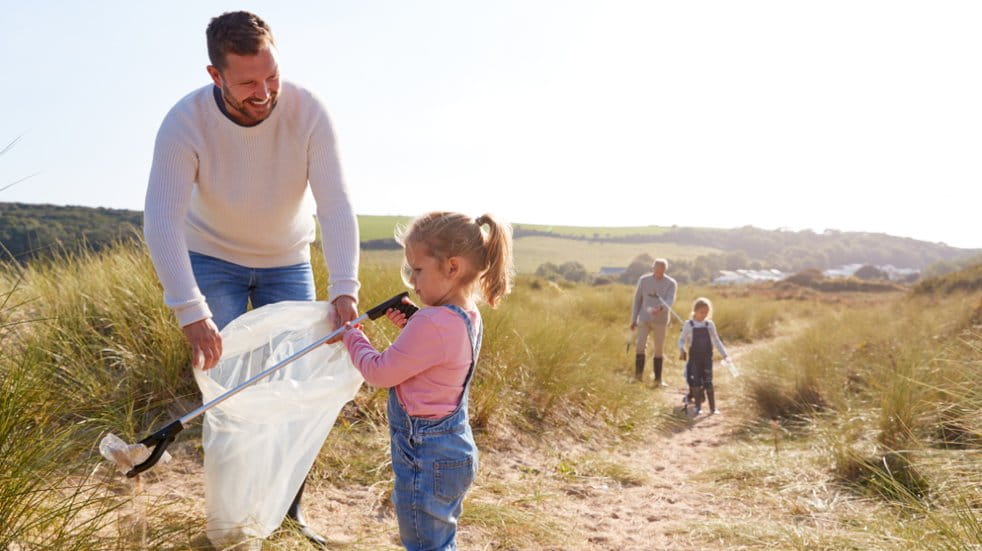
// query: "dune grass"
[[883, 402], [89, 347], [877, 402]]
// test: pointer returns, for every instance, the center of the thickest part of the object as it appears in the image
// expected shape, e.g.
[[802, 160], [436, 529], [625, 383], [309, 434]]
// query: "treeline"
[[35, 231], [32, 231], [789, 251]]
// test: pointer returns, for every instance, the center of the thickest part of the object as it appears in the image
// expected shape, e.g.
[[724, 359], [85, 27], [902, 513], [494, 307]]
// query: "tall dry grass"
[[887, 397], [89, 347]]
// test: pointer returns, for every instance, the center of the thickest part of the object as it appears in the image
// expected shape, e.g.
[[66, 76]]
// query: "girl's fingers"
[[396, 317]]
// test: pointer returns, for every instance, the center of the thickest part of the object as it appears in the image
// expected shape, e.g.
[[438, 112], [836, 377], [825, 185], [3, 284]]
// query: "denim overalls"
[[699, 368], [434, 461]]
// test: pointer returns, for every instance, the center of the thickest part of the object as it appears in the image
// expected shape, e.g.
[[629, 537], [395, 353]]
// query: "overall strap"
[[475, 339]]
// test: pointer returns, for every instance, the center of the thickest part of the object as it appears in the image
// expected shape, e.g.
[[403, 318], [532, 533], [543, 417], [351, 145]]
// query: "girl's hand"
[[347, 327], [396, 317]]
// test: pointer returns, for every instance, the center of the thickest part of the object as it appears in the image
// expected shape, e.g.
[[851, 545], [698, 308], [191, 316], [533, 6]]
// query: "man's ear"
[[215, 75]]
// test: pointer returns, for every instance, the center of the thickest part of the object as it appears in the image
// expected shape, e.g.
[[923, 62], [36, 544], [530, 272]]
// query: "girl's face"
[[435, 283], [700, 313]]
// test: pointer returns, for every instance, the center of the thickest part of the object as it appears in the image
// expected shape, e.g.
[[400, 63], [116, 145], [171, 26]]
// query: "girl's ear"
[[453, 266]]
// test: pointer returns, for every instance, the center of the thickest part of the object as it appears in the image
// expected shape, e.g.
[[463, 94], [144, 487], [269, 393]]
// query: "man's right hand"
[[205, 342], [634, 326]]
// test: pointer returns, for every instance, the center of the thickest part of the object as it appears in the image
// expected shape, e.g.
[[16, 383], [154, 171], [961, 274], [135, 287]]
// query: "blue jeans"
[[229, 288]]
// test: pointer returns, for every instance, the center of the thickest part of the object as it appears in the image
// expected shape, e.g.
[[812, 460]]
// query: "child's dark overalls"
[[434, 461], [699, 367]]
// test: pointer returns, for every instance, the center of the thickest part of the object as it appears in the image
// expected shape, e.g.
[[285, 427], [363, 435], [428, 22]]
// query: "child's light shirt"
[[687, 328], [427, 364]]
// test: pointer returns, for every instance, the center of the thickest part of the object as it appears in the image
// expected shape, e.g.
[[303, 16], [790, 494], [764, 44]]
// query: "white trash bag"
[[260, 443]]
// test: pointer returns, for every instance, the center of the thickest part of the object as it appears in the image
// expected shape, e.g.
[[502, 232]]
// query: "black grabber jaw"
[[159, 442]]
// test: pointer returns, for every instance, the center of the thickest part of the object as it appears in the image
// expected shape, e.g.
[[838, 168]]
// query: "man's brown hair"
[[238, 32]]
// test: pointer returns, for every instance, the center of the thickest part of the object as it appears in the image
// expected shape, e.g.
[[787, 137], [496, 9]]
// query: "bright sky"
[[854, 115]]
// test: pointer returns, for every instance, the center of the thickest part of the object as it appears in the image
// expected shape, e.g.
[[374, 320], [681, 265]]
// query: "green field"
[[381, 227], [598, 232], [378, 227], [532, 252]]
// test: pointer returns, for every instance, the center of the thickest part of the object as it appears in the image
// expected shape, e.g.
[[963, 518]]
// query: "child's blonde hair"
[[699, 303], [448, 234]]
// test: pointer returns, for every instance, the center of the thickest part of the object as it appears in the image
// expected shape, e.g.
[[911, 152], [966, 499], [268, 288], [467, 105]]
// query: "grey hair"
[[660, 262]]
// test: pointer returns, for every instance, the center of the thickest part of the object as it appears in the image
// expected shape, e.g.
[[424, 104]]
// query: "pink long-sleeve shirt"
[[427, 364]]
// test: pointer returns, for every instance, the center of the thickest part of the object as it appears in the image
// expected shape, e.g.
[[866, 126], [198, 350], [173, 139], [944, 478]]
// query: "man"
[[226, 219], [653, 298]]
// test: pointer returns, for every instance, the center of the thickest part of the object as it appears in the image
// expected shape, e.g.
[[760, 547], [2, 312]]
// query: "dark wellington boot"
[[295, 513], [658, 363], [711, 395], [639, 366]]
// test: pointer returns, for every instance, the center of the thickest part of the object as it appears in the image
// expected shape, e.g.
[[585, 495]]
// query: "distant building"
[[739, 277]]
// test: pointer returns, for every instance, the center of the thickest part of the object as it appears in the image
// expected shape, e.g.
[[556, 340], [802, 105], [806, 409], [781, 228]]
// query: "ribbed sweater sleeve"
[[172, 176], [339, 227]]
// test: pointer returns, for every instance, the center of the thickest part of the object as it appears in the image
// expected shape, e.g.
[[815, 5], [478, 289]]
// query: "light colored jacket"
[[646, 300]]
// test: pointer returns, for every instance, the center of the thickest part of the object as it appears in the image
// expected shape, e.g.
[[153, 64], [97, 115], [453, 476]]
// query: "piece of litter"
[[124, 455]]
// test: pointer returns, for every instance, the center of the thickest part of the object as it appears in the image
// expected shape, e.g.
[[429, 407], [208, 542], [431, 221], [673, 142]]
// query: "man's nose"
[[262, 91]]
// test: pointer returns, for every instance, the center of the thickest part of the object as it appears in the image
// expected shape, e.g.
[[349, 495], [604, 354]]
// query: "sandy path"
[[661, 511]]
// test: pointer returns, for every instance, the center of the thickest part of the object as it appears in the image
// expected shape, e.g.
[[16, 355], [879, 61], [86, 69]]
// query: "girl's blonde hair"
[[699, 303], [448, 234]]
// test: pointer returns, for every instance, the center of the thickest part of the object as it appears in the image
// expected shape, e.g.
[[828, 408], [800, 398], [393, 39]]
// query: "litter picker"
[[157, 442], [670, 309]]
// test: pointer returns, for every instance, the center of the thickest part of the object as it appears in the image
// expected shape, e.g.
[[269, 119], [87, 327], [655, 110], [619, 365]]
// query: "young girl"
[[451, 261], [701, 331]]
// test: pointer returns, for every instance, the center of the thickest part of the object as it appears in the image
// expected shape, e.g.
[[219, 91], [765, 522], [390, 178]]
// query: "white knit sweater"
[[239, 194]]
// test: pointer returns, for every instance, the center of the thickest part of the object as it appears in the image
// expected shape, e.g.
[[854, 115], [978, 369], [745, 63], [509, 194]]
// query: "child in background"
[[450, 262], [700, 331]]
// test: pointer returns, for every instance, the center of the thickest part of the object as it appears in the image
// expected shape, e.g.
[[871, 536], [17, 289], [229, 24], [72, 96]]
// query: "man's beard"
[[239, 108]]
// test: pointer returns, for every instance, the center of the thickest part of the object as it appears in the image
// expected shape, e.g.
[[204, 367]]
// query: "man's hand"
[[682, 355], [205, 342], [344, 311], [634, 325]]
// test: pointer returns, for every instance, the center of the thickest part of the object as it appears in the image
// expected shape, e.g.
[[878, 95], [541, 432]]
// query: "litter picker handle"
[[159, 442], [670, 309], [399, 302], [163, 438]]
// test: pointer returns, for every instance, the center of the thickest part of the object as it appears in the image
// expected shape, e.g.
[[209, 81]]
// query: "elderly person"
[[653, 299], [227, 220]]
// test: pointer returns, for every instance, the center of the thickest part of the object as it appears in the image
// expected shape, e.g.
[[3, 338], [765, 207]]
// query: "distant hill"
[[34, 231], [31, 231]]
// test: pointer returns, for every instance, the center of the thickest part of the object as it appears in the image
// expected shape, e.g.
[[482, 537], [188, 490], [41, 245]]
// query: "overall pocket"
[[452, 478]]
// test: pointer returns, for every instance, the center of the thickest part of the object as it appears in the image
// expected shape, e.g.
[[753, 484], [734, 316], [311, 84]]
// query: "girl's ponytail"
[[496, 279]]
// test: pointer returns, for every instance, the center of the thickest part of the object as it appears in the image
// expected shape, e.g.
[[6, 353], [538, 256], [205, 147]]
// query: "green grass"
[[371, 227], [533, 251], [601, 232]]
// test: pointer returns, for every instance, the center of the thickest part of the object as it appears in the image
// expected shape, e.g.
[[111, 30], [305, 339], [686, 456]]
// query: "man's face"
[[250, 85], [658, 270]]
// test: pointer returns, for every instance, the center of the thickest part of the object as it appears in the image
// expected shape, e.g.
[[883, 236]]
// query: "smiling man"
[[226, 218]]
